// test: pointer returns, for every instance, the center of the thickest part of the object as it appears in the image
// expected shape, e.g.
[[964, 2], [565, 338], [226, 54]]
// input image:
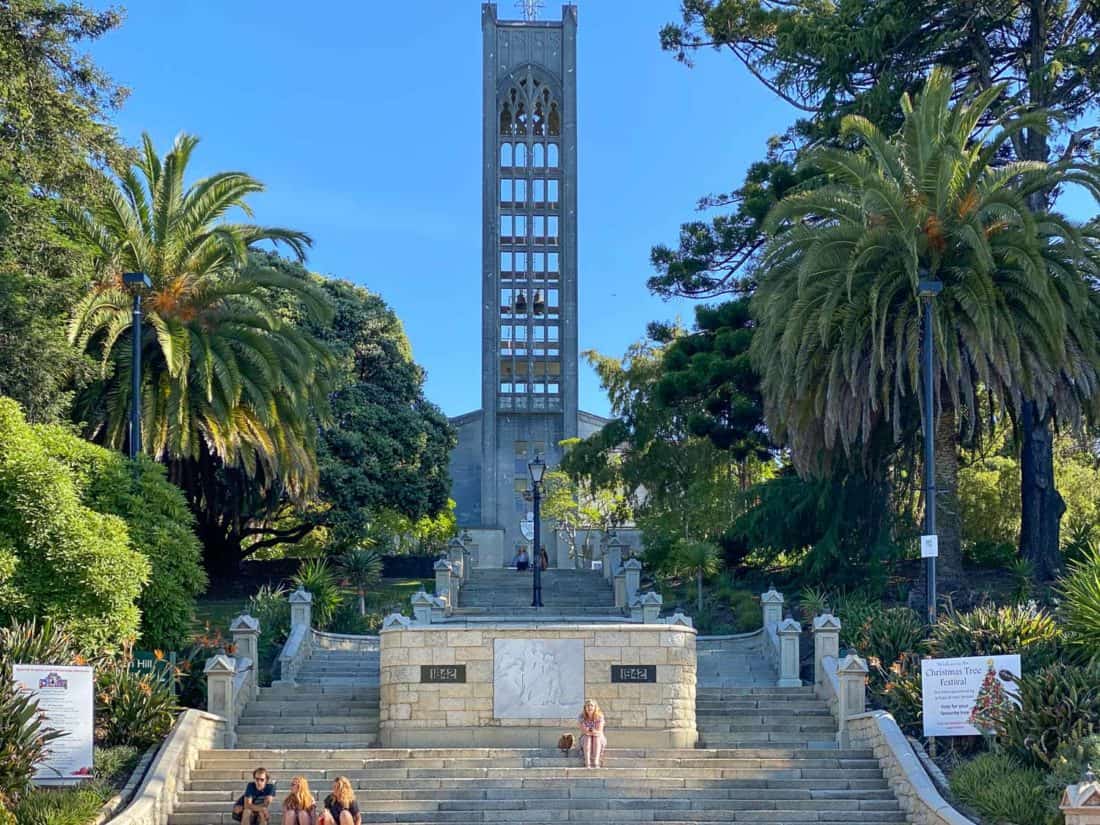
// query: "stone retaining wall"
[[650, 715], [907, 778], [156, 797]]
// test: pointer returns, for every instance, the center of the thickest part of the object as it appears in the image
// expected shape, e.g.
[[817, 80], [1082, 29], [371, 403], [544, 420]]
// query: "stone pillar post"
[[620, 588], [633, 570], [613, 560], [301, 607], [852, 674], [422, 607], [455, 552], [772, 604], [443, 571], [826, 643], [1081, 803], [220, 672], [246, 639], [651, 607], [635, 606], [789, 630]]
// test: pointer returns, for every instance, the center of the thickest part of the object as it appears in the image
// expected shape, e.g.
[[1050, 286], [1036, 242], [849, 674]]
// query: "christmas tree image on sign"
[[991, 702]]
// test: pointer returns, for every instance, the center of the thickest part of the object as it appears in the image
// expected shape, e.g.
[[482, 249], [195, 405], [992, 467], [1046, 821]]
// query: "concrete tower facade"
[[529, 276]]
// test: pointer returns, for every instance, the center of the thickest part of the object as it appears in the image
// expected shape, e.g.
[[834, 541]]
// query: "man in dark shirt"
[[254, 807]]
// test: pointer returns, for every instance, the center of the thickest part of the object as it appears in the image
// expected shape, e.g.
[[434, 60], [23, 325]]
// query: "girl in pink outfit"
[[593, 740]]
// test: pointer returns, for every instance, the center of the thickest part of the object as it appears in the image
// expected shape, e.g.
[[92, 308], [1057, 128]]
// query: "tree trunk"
[[699, 591], [362, 602], [1041, 504], [949, 572]]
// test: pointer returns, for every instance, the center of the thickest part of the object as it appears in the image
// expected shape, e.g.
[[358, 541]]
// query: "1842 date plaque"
[[634, 673], [442, 674]]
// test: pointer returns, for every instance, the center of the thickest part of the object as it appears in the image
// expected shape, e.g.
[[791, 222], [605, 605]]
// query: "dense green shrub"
[[62, 559], [987, 554], [1002, 790], [890, 633], [994, 631], [131, 708], [23, 740], [854, 609], [160, 526], [1081, 606], [745, 607], [897, 687], [35, 642], [1058, 705], [61, 806], [316, 577]]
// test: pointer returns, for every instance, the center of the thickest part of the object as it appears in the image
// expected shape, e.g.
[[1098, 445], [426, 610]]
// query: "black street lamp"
[[928, 289], [537, 468], [136, 282]]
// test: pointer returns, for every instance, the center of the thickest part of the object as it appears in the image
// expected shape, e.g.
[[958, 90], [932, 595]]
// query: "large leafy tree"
[[382, 449], [228, 386], [839, 337], [857, 57], [54, 105]]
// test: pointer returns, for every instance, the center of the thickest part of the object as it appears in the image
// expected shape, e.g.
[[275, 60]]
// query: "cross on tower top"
[[531, 8]]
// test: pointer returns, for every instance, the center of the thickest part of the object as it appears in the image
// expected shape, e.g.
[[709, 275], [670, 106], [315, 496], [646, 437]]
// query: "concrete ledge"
[[533, 737], [551, 624], [345, 641], [915, 792], [194, 731]]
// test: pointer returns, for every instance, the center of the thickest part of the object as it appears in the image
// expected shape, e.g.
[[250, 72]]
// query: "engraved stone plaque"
[[442, 674], [633, 673], [538, 678]]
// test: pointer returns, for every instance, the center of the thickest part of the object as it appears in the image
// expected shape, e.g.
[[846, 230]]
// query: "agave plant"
[[319, 580], [1080, 591], [23, 740]]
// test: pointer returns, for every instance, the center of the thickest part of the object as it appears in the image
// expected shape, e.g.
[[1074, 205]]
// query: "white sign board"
[[959, 695], [527, 526], [65, 696], [929, 547]]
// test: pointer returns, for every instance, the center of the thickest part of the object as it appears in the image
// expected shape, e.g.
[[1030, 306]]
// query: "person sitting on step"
[[593, 741], [521, 561], [253, 808], [340, 805], [299, 807]]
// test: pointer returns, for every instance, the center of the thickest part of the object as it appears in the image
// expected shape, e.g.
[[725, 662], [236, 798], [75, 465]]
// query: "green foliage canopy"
[[59, 559]]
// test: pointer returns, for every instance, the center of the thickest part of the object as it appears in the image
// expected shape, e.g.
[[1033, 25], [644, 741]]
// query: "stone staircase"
[[334, 704], [773, 785], [733, 662], [565, 593], [756, 717]]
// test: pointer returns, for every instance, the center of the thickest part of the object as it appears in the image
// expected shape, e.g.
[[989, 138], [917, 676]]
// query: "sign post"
[[65, 695]]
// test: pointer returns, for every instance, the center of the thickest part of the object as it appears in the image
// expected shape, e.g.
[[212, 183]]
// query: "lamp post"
[[537, 468], [928, 289], [136, 281]]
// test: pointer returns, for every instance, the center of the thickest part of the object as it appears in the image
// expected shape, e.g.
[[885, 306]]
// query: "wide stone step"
[[822, 761], [413, 755], [831, 776], [376, 804], [580, 791], [625, 815]]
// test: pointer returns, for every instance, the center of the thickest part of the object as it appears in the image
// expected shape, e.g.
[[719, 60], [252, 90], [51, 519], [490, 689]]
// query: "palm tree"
[[225, 381], [363, 568], [839, 335], [698, 559]]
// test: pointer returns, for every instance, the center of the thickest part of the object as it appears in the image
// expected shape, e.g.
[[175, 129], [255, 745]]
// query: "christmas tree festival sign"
[[962, 696]]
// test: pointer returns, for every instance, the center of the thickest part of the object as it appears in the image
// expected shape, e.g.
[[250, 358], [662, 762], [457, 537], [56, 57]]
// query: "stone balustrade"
[[232, 681]]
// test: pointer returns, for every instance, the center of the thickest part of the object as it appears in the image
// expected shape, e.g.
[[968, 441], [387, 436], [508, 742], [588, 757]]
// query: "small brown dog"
[[565, 743]]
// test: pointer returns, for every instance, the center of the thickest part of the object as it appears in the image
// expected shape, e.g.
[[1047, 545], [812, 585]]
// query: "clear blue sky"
[[364, 118]]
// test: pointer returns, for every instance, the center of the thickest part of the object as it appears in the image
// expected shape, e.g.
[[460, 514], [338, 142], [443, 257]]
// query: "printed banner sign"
[[65, 696], [961, 696]]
